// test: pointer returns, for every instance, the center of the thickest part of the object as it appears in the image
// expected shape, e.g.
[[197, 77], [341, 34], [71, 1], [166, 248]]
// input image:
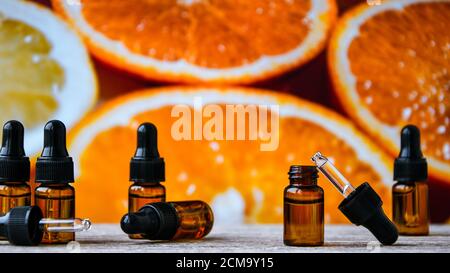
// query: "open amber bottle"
[[303, 208]]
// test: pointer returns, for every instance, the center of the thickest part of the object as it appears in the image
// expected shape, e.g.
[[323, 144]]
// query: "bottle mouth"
[[303, 172]]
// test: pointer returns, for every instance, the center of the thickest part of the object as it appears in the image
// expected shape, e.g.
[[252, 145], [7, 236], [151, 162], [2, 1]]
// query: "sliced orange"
[[241, 182], [390, 64], [222, 41], [45, 70]]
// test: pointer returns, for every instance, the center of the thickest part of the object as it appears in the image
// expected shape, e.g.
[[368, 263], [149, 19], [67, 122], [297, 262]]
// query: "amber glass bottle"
[[147, 170], [14, 169], [410, 192], [170, 221], [303, 208], [54, 171]]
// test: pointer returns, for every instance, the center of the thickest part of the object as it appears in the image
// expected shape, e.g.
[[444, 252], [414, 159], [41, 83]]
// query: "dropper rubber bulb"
[[146, 165], [147, 142], [362, 206], [410, 165], [54, 140], [12, 141], [14, 165], [25, 226], [54, 165]]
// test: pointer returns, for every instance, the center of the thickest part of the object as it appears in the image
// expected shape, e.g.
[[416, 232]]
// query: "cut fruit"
[[390, 65], [224, 41], [45, 70], [240, 181]]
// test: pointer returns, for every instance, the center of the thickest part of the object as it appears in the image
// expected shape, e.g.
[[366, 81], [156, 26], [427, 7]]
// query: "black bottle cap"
[[363, 207], [21, 226], [410, 165], [157, 221], [147, 165], [54, 165], [14, 165]]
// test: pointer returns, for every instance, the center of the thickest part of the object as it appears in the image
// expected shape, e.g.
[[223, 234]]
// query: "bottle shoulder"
[[14, 187], [297, 188], [55, 189], [144, 187], [410, 184]]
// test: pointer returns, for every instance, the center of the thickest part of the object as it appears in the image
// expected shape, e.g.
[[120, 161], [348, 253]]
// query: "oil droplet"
[[446, 150], [406, 113], [182, 177], [413, 95], [395, 94], [290, 157], [220, 159], [221, 48], [214, 146], [441, 130], [423, 99], [367, 84], [191, 189]]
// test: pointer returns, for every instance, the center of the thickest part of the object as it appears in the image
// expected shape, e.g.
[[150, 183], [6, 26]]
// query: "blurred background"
[[309, 79]]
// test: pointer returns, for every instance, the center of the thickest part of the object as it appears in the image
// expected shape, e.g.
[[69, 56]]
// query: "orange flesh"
[[29, 77], [401, 60], [202, 169], [213, 34]]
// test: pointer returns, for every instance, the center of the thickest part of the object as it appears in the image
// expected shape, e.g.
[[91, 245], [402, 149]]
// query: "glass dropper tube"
[[64, 225], [336, 178]]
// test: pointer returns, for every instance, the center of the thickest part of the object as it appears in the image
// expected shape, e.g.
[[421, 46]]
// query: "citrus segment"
[[241, 182], [45, 71], [211, 41], [391, 67], [28, 94]]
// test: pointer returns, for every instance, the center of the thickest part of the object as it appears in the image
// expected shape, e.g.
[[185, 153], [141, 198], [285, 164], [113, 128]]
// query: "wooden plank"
[[245, 238]]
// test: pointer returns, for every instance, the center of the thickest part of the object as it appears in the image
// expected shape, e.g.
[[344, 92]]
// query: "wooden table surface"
[[244, 238]]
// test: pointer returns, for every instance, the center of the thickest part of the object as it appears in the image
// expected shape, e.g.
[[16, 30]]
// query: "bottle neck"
[[309, 181], [303, 175], [13, 183], [54, 185], [147, 183]]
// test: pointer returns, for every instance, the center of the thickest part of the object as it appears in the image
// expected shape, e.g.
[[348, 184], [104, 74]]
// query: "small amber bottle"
[[410, 192], [170, 221], [147, 170], [14, 169], [54, 171], [303, 208]]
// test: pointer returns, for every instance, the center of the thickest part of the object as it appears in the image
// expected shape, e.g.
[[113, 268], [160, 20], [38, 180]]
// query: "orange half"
[[390, 65], [241, 182], [224, 41]]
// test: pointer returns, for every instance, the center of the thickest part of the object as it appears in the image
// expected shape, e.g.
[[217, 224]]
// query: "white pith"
[[348, 80], [263, 65], [122, 115], [78, 93]]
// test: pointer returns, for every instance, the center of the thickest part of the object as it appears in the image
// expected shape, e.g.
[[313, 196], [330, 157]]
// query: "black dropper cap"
[[14, 165], [147, 165], [410, 165], [364, 207], [157, 221], [21, 226], [54, 165]]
